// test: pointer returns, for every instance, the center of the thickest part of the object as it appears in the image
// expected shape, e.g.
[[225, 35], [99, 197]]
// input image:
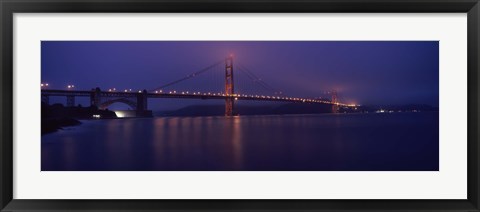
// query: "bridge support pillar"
[[70, 101], [334, 108], [229, 91], [46, 99], [142, 101], [335, 102], [95, 97]]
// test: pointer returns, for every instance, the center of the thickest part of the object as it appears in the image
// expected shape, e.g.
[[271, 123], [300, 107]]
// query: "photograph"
[[239, 105]]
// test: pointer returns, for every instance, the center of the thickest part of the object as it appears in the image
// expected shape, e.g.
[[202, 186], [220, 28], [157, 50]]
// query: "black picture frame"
[[9, 7]]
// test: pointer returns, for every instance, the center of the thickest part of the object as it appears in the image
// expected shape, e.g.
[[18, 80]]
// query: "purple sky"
[[376, 72]]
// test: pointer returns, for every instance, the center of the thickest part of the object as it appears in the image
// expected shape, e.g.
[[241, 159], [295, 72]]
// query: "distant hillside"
[[219, 110], [292, 108], [398, 108]]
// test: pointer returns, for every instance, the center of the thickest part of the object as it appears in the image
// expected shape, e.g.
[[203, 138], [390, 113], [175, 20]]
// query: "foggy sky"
[[374, 72]]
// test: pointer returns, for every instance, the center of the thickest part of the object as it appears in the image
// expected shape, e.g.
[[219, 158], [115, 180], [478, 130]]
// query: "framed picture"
[[239, 105]]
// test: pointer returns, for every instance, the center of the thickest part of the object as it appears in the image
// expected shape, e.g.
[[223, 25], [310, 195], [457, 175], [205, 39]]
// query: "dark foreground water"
[[330, 142]]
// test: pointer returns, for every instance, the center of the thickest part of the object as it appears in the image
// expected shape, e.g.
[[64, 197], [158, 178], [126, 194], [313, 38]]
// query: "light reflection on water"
[[346, 142]]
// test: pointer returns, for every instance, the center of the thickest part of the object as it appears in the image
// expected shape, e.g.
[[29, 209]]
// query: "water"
[[328, 142]]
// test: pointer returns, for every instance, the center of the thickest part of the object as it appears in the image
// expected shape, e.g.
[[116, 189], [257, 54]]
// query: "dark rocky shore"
[[56, 116], [50, 125]]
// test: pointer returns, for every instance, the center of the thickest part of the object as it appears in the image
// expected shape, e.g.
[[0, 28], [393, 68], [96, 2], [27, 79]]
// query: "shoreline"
[[51, 125]]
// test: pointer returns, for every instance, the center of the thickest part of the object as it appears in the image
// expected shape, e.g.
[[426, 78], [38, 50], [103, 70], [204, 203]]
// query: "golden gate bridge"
[[138, 101]]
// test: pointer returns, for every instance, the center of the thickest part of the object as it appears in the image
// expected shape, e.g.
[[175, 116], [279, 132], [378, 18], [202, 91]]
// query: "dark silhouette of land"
[[294, 108], [56, 116]]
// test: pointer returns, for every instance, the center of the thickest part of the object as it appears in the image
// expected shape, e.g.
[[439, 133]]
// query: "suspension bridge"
[[228, 91]]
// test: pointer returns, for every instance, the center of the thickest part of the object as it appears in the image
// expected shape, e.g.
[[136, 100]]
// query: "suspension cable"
[[192, 75]]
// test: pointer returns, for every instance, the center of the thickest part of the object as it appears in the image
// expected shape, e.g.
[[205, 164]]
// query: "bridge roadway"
[[189, 95]]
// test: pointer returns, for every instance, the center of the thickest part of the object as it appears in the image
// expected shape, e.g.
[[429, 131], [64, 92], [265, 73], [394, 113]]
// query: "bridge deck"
[[188, 95]]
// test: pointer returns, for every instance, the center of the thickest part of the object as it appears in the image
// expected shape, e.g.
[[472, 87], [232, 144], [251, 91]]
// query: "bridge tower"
[[334, 101], [95, 97], [229, 91], [142, 102]]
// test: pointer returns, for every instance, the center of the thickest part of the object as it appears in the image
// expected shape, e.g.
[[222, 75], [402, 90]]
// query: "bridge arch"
[[131, 103]]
